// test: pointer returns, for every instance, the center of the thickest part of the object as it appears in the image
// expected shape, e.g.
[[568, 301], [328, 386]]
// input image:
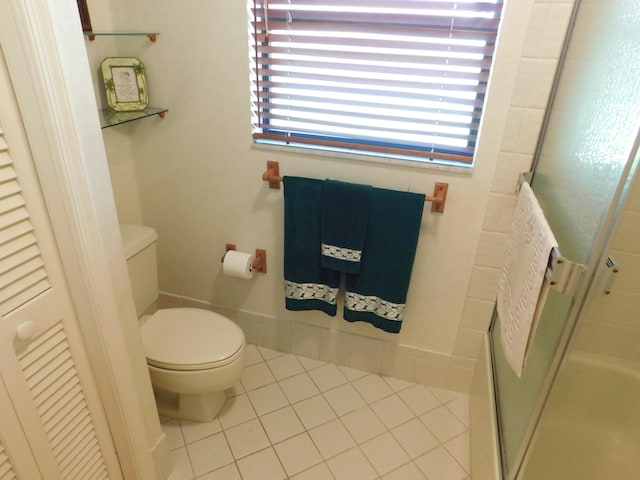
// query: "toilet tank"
[[139, 243]]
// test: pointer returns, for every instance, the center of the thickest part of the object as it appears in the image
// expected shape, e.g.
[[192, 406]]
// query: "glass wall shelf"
[[111, 118], [92, 35]]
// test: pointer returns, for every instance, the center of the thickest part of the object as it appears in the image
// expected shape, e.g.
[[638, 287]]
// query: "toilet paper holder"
[[259, 263]]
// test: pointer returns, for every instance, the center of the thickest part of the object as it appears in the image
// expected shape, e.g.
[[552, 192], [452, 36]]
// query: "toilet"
[[193, 355]]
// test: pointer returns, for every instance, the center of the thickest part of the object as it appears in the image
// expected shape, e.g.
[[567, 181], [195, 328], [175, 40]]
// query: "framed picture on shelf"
[[125, 84]]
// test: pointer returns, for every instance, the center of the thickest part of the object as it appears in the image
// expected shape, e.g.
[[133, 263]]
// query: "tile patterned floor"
[[296, 418]]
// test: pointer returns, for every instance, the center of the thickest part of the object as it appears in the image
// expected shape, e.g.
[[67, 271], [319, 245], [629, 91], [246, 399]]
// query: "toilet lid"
[[190, 339]]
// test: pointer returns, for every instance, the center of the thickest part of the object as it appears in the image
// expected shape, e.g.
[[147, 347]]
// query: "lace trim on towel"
[[311, 291], [341, 253], [382, 308]]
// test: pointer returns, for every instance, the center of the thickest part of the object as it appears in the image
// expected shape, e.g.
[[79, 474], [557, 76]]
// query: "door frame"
[[44, 49]]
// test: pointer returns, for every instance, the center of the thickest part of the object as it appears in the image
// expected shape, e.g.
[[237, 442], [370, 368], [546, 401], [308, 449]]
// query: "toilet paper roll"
[[238, 264]]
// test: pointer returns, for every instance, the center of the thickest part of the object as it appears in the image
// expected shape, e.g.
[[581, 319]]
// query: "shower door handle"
[[610, 275]]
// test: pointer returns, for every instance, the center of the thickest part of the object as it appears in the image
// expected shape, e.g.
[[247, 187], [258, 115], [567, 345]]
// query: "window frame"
[[262, 22]]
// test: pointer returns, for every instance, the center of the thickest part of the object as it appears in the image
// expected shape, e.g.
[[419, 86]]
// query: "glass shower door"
[[582, 164]]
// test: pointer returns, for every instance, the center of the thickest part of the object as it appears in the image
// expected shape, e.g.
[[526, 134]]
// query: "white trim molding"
[[44, 49]]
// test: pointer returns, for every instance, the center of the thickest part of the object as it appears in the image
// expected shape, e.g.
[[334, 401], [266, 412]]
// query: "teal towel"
[[344, 213], [377, 294], [308, 286]]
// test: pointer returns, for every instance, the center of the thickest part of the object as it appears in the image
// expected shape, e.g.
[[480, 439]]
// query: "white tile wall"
[[536, 68]]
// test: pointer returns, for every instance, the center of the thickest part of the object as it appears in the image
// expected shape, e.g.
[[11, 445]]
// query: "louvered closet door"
[[16, 460], [42, 361]]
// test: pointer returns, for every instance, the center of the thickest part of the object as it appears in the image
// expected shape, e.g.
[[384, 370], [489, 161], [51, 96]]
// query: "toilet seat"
[[190, 339]]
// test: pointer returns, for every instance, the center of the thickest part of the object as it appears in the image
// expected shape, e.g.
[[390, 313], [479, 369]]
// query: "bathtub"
[[590, 429]]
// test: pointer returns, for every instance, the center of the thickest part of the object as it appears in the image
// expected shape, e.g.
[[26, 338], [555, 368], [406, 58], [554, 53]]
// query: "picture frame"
[[125, 84]]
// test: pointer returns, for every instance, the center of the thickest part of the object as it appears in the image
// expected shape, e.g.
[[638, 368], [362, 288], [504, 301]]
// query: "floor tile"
[[460, 408], [327, 377], [363, 424], [236, 410], [237, 389], [281, 424], [438, 463], [444, 395], [397, 384], [415, 438], [209, 454], [252, 355], [255, 376], [285, 366], [292, 417], [267, 399], [351, 465], [246, 438], [392, 411], [171, 428], [182, 469], [263, 465], [228, 472], [332, 438], [384, 453], [443, 424], [194, 431], [268, 353], [299, 387], [352, 373], [406, 472], [314, 411], [372, 387], [458, 447], [419, 399], [344, 399], [318, 472], [311, 363], [297, 454]]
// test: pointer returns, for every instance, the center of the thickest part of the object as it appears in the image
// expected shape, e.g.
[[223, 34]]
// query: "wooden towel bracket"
[[438, 199], [272, 175]]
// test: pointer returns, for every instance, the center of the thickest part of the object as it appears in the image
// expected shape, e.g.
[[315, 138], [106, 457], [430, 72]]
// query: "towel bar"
[[562, 274], [438, 199]]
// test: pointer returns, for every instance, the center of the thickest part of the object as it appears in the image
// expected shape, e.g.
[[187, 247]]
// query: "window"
[[400, 78]]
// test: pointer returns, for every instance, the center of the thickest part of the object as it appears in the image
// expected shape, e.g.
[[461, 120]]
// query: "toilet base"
[[203, 407]]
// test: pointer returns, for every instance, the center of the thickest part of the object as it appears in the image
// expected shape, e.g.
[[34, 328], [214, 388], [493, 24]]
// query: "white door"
[[47, 389]]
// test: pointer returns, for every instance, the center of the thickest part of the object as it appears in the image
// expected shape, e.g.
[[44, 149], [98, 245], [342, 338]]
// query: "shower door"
[[582, 165]]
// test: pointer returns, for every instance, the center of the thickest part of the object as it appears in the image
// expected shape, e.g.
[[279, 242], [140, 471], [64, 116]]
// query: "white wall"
[[195, 177]]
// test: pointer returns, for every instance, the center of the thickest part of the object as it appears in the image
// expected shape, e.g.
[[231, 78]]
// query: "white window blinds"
[[392, 77]]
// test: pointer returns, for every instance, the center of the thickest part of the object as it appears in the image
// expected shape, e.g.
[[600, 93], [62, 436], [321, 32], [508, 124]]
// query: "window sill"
[[436, 165]]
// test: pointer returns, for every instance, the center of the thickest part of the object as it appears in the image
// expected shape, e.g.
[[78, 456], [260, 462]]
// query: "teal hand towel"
[[308, 286], [378, 293], [343, 222]]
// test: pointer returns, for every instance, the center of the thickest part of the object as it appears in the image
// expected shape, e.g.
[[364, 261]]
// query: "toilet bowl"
[[193, 355]]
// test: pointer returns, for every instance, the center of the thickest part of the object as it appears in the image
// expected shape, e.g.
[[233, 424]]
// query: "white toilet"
[[193, 355]]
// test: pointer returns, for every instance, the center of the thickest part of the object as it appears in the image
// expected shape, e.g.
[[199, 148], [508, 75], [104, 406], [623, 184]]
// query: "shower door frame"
[[598, 270], [586, 291]]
